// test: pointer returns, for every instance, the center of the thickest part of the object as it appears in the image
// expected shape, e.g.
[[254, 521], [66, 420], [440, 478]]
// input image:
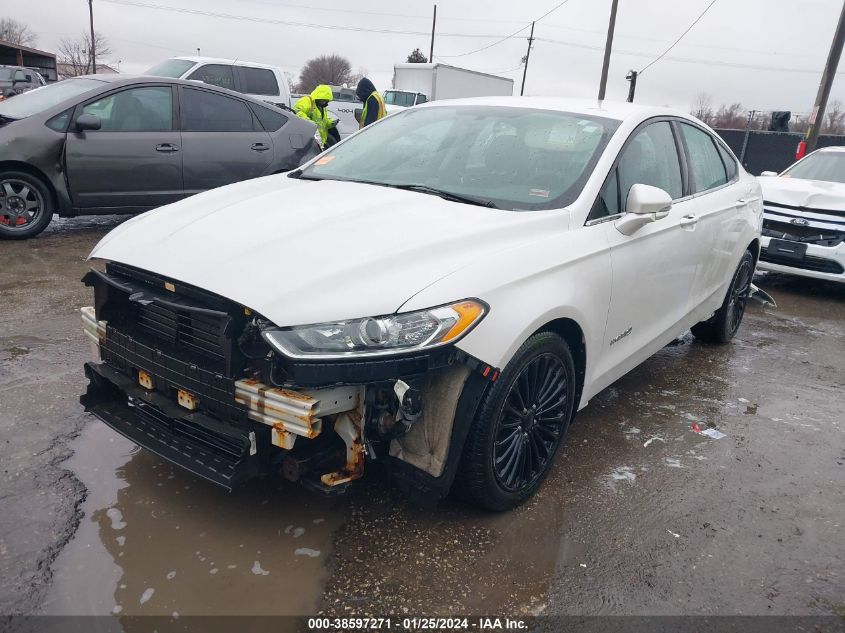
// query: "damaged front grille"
[[197, 333], [181, 321], [804, 234]]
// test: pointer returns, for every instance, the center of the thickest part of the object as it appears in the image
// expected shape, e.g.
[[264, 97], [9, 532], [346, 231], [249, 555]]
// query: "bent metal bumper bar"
[[223, 452]]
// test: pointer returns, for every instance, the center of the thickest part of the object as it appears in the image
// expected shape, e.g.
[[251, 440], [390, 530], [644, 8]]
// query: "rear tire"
[[26, 205], [519, 426], [722, 326]]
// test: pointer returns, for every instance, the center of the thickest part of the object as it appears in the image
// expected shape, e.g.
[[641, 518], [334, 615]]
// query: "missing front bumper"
[[220, 453]]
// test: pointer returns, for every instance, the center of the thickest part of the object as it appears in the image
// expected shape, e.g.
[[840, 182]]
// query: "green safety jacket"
[[381, 109], [306, 108]]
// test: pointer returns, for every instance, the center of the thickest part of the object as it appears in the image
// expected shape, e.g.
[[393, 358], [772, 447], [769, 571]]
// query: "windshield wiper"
[[7, 119], [446, 195]]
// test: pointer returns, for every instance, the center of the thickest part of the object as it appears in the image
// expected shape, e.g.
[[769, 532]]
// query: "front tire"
[[26, 205], [519, 426], [722, 326]]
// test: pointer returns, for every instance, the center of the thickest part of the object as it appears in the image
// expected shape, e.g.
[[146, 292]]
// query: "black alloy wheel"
[[520, 423]]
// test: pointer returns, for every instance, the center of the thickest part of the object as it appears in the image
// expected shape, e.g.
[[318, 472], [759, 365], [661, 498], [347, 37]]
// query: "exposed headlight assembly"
[[378, 336]]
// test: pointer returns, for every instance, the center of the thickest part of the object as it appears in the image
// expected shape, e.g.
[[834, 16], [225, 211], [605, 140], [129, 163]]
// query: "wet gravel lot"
[[641, 514]]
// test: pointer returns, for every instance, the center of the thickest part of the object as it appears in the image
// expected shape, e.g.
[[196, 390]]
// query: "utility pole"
[[817, 117], [433, 24], [198, 51], [527, 55], [93, 41], [632, 87], [608, 45]]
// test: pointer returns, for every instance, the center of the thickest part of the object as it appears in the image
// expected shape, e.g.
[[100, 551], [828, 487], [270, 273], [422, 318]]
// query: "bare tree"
[[834, 122], [731, 117], [417, 57], [76, 55], [16, 32], [334, 70], [357, 76], [702, 107]]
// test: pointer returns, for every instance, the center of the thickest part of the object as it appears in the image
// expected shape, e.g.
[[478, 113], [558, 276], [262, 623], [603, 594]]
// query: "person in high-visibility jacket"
[[314, 107], [373, 103]]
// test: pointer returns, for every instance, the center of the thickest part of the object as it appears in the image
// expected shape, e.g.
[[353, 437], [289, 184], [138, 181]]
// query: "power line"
[[484, 48], [685, 60], [262, 20], [515, 33], [689, 28]]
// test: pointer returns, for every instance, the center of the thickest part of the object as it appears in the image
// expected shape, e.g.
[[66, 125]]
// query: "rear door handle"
[[167, 147], [691, 219], [260, 147]]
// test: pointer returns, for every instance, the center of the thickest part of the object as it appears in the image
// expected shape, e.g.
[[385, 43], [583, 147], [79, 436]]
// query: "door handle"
[[259, 147], [691, 219], [167, 147]]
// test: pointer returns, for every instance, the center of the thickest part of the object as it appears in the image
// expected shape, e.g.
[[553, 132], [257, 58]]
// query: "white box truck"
[[417, 83]]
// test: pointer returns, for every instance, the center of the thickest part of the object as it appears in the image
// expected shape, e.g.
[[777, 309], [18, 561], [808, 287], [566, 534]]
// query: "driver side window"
[[650, 158]]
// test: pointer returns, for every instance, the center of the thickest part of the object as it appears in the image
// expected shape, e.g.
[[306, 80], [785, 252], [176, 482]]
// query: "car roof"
[[833, 148], [142, 79], [619, 110], [220, 60]]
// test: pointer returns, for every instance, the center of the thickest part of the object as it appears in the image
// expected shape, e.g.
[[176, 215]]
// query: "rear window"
[[271, 120], [259, 81], [204, 111], [214, 74]]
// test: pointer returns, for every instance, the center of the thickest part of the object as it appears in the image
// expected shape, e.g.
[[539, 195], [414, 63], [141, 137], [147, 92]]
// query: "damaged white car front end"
[[804, 217]]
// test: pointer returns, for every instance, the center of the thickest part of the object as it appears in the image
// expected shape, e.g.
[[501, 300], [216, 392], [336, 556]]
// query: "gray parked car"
[[110, 144], [16, 79]]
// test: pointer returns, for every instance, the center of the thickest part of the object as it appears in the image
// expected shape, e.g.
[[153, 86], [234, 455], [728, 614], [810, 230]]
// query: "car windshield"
[[6, 73], [174, 68], [828, 166], [391, 97], [45, 97], [510, 158]]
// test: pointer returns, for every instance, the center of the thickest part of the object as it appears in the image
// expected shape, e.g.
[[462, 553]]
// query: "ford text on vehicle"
[[441, 292]]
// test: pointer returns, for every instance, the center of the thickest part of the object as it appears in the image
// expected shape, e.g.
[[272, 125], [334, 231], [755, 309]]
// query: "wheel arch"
[[571, 332], [15, 165], [754, 247]]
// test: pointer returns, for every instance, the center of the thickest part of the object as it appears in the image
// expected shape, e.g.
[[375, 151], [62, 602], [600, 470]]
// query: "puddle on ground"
[[156, 540]]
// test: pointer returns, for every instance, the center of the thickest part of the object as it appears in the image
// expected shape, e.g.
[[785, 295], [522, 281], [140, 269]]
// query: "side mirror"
[[88, 122], [768, 173], [645, 204]]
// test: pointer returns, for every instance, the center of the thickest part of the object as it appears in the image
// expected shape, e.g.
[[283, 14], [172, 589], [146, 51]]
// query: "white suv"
[[261, 81], [442, 291]]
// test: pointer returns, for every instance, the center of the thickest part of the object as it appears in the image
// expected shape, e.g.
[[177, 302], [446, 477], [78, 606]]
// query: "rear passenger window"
[[730, 163], [216, 75], [271, 120], [705, 163], [259, 81], [204, 111], [651, 158]]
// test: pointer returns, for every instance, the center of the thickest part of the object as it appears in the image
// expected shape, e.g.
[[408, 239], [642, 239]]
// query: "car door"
[[222, 141], [133, 161], [719, 199], [654, 268]]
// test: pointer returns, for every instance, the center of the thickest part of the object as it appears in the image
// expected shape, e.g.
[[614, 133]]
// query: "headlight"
[[378, 336]]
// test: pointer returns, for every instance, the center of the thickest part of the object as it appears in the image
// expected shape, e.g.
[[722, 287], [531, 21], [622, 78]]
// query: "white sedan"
[[804, 217], [441, 291]]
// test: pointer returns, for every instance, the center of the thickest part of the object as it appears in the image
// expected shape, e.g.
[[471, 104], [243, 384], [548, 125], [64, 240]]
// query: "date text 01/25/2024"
[[417, 624]]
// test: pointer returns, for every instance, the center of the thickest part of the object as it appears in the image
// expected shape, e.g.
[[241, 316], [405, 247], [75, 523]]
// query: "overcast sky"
[[767, 54]]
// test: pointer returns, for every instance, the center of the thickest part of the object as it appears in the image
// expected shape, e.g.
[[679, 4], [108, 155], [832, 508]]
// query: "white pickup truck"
[[414, 84], [261, 81]]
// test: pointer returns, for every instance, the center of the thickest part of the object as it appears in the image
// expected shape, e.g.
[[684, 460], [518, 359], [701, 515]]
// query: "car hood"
[[302, 252], [810, 194]]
